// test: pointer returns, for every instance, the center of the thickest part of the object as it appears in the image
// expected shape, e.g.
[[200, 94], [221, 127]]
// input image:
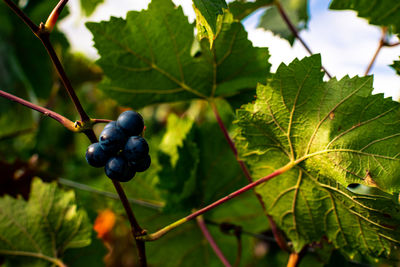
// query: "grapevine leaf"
[[89, 6], [40, 230], [241, 8], [147, 58], [396, 67], [317, 126], [192, 163], [297, 11], [207, 14], [179, 157], [382, 13]]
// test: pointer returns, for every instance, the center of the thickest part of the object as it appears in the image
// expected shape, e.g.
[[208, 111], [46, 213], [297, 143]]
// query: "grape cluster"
[[121, 149]]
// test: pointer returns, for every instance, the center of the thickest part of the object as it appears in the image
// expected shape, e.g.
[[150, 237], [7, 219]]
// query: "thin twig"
[[96, 121], [391, 45], [293, 260], [238, 235], [136, 229], [293, 29], [34, 28], [62, 75], [277, 233], [163, 231], [54, 115], [43, 34], [378, 49], [90, 189], [211, 241]]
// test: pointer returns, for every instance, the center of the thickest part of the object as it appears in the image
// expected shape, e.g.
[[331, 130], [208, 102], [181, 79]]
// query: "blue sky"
[[346, 43]]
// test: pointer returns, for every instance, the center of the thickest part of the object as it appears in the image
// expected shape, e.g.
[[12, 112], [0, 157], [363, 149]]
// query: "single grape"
[[119, 169], [112, 139], [111, 124], [143, 164], [131, 123], [96, 156], [136, 148]]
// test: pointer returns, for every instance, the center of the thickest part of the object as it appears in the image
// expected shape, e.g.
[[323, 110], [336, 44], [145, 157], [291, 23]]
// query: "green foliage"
[[396, 66], [382, 13], [327, 134], [89, 6], [298, 118], [41, 229], [147, 58], [191, 157], [296, 10], [242, 8], [207, 16], [187, 245]]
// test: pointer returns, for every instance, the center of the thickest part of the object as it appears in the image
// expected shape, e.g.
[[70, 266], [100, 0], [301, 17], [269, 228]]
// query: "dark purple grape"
[[136, 148], [119, 169], [112, 140], [111, 124], [131, 123], [143, 164], [96, 156]]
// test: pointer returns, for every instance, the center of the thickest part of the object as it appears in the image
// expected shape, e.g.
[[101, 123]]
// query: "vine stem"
[[163, 231], [277, 233], [211, 241], [54, 115], [294, 31], [293, 260], [136, 229], [381, 44], [43, 34]]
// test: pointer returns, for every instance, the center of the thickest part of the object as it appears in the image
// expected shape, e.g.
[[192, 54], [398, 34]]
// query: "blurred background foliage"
[[32, 145]]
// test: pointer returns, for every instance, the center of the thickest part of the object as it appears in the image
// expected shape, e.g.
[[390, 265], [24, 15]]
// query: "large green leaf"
[[382, 13], [147, 58], [331, 134], [37, 232]]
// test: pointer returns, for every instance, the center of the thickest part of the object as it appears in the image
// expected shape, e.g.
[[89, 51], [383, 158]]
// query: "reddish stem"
[[381, 44], [136, 229], [44, 37], [43, 34], [294, 31], [22, 15], [238, 192], [96, 121], [166, 229], [277, 233], [211, 241], [54, 115]]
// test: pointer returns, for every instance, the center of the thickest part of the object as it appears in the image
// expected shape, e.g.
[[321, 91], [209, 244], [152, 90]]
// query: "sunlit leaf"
[[333, 133], [41, 229], [147, 58]]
